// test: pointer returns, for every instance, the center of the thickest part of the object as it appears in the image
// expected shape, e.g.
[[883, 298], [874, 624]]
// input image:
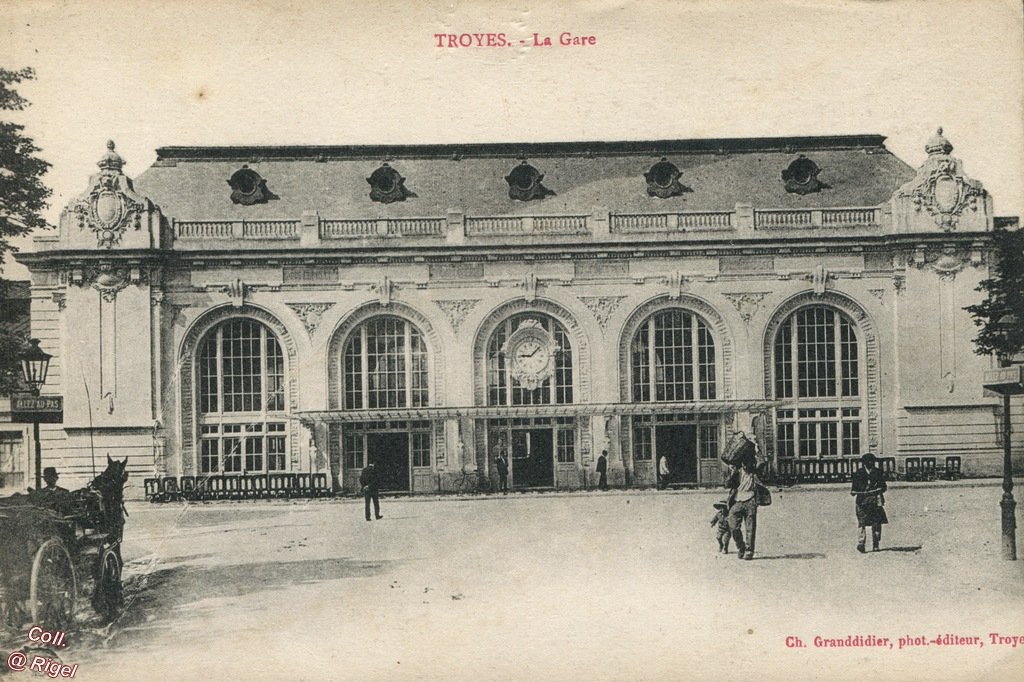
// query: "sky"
[[153, 73]]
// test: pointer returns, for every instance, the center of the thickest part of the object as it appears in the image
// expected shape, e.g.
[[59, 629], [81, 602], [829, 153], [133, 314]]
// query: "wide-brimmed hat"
[[50, 472], [868, 458], [721, 505]]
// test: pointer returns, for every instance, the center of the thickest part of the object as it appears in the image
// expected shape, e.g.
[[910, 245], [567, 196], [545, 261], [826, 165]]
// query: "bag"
[[739, 449], [762, 495]]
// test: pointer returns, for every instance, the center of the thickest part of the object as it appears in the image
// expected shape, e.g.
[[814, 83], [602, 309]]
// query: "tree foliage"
[[23, 198], [1005, 296]]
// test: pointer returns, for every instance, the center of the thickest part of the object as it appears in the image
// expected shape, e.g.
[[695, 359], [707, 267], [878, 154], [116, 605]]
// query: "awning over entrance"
[[527, 411]]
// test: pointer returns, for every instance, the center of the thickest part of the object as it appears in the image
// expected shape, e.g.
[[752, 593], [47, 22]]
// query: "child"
[[721, 523]]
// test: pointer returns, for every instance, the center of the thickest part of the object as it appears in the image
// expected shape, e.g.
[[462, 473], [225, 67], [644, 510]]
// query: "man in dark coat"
[[369, 482], [743, 483], [52, 496], [502, 465], [602, 470], [869, 488]]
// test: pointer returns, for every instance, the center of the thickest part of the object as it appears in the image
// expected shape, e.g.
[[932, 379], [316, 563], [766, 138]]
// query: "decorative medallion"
[[456, 310], [947, 263], [109, 280], [663, 180], [524, 183], [387, 185], [602, 307], [801, 177], [747, 303], [530, 354], [248, 187], [941, 188], [311, 314], [111, 205]]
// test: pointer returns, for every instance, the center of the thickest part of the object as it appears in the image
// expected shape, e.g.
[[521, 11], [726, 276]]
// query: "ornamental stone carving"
[[941, 189], [946, 263], [110, 207], [602, 307], [747, 303], [311, 314], [456, 310]]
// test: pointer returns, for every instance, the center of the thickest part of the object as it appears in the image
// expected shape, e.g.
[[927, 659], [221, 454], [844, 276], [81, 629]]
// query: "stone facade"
[[141, 284]]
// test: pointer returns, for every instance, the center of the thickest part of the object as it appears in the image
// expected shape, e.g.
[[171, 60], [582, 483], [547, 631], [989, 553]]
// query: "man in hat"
[[371, 487], [869, 488], [52, 496], [502, 465]]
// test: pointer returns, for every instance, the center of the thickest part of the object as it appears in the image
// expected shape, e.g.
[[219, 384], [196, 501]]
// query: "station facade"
[[245, 310]]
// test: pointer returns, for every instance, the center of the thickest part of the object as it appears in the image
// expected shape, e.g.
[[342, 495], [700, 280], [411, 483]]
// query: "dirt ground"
[[596, 586]]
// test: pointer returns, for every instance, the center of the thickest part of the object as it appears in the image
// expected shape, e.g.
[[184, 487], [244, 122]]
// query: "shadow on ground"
[[805, 555], [152, 597]]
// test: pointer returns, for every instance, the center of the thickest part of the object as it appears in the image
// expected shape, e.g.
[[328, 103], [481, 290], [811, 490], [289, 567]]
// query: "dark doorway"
[[390, 452], [533, 459], [678, 442]]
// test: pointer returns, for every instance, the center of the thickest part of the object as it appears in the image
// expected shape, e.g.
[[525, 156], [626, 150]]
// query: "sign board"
[[44, 409], [1005, 380]]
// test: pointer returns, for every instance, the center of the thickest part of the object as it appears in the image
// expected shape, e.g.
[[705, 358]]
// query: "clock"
[[530, 354]]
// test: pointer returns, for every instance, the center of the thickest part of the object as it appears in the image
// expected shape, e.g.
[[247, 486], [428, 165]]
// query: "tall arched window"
[[241, 379], [817, 374], [673, 359], [556, 388], [385, 365]]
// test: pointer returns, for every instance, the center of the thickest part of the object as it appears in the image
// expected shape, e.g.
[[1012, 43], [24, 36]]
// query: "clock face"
[[530, 353], [531, 356]]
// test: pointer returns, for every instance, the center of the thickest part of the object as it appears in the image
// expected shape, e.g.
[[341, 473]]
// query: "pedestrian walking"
[[869, 488], [747, 493], [370, 484], [602, 470], [502, 465], [663, 472], [721, 525]]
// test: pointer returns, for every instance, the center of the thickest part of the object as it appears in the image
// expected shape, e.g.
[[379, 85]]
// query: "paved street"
[[601, 586]]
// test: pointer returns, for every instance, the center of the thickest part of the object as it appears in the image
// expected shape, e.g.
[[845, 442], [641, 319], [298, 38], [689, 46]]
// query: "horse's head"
[[112, 480]]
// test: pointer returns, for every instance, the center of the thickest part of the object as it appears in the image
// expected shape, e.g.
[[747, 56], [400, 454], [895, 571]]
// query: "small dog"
[[721, 524]]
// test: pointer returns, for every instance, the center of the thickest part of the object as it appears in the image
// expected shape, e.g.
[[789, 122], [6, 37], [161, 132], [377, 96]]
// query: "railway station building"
[[247, 310]]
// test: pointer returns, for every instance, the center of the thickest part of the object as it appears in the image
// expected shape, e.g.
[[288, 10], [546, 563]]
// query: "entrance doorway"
[[390, 452], [533, 458], [678, 443]]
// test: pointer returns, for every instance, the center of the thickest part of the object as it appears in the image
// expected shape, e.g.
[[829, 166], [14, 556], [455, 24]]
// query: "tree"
[[22, 200], [1005, 296]]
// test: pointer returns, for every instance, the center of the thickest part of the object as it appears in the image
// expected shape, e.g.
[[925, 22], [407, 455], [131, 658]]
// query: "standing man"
[[868, 487], [502, 464], [602, 470], [663, 472], [370, 484], [743, 513]]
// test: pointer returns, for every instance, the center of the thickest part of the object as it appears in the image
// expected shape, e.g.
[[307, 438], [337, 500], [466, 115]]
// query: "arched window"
[[673, 358], [385, 365], [817, 374], [553, 384], [241, 379]]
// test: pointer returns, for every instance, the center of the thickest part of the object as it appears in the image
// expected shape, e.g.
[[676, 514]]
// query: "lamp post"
[[1009, 506], [34, 364]]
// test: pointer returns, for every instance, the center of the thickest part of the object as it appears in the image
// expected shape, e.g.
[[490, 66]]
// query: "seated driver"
[[52, 496]]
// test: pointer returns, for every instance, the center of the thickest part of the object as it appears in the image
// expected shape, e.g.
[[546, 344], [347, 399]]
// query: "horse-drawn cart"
[[52, 547]]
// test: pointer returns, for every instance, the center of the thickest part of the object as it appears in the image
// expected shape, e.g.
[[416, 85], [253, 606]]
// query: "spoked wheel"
[[53, 588], [108, 597]]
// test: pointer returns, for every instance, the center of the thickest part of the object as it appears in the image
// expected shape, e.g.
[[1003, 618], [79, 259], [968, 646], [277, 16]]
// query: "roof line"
[[527, 149]]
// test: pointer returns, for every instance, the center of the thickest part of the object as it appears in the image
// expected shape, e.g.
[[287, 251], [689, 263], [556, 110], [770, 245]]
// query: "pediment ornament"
[[111, 204], [941, 188]]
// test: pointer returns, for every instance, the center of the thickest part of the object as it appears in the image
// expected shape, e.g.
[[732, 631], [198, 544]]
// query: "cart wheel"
[[108, 598], [52, 587]]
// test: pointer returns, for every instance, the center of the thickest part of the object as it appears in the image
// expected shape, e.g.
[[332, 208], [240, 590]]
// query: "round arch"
[[482, 337], [366, 311], [865, 326], [198, 330], [723, 340]]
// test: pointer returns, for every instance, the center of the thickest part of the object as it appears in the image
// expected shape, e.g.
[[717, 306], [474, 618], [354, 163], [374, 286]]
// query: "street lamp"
[[35, 362], [1007, 323]]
